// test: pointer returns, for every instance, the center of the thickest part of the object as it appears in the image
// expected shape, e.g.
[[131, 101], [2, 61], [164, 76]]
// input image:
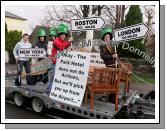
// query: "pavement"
[[13, 112], [10, 68], [142, 88]]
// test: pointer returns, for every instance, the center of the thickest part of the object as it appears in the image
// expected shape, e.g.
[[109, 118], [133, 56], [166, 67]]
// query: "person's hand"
[[115, 55], [52, 58], [70, 39]]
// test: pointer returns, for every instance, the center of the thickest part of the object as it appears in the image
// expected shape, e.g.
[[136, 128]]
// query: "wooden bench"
[[103, 80], [126, 75]]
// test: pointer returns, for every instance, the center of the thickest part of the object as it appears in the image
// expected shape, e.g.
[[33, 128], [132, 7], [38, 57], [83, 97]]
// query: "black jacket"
[[106, 54], [40, 44]]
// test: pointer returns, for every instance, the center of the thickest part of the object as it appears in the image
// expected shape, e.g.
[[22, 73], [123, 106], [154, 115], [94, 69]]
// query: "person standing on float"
[[107, 53], [59, 44], [52, 37], [41, 43]]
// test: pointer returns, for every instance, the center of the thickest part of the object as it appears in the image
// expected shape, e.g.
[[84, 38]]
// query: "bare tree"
[[59, 14], [123, 14], [115, 15], [65, 13], [149, 11]]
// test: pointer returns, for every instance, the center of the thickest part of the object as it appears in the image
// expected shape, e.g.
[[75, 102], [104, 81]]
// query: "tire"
[[19, 99], [38, 105]]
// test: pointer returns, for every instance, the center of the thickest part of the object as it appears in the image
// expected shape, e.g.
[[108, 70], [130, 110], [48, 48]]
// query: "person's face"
[[53, 37], [107, 38], [42, 38], [63, 36], [25, 38]]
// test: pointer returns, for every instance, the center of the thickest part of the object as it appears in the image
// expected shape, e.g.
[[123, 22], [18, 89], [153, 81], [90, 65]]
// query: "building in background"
[[15, 22]]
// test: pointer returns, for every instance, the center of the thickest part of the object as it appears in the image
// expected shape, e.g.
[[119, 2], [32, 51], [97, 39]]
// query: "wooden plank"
[[40, 67]]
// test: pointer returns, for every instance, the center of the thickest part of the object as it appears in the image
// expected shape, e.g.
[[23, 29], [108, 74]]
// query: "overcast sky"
[[33, 13]]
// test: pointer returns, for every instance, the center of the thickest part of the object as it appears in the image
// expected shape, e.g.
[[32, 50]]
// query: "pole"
[[116, 59], [70, 48], [89, 36], [115, 48]]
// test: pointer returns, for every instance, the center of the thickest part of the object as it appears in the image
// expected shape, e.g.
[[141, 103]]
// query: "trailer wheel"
[[19, 99], [38, 105]]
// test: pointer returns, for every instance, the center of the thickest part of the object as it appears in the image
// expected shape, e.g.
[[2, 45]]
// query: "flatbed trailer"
[[40, 100]]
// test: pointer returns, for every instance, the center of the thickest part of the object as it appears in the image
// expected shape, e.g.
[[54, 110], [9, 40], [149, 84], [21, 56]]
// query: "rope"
[[132, 73], [118, 60], [43, 77]]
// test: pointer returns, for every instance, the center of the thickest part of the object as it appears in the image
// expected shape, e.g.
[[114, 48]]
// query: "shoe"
[[17, 82]]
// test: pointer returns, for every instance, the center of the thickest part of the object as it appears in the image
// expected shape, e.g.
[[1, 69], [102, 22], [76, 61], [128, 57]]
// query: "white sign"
[[32, 52], [131, 32], [70, 78], [95, 60], [91, 23]]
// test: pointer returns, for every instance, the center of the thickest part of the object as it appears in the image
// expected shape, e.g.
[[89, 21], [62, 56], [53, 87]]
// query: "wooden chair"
[[104, 80], [126, 75]]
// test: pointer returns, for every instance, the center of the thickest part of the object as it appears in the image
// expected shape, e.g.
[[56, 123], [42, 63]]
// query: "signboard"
[[40, 67], [96, 61], [82, 43], [70, 78], [92, 23], [32, 52], [133, 32]]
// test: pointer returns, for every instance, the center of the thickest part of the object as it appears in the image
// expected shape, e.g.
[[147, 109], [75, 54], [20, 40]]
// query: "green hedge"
[[11, 39]]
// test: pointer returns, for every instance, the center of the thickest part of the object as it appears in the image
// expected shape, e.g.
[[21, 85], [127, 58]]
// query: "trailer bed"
[[102, 110]]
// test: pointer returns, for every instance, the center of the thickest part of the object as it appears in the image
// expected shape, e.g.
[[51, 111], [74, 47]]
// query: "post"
[[70, 48], [70, 33], [89, 36], [115, 48], [116, 59]]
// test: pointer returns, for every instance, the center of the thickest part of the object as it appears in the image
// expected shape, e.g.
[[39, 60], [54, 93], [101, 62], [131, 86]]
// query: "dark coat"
[[106, 54], [40, 44]]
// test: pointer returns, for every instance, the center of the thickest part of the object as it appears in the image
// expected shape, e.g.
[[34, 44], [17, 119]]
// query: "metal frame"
[[102, 110]]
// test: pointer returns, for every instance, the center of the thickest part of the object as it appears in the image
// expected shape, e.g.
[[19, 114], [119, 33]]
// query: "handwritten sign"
[[96, 61], [70, 77], [39, 67]]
